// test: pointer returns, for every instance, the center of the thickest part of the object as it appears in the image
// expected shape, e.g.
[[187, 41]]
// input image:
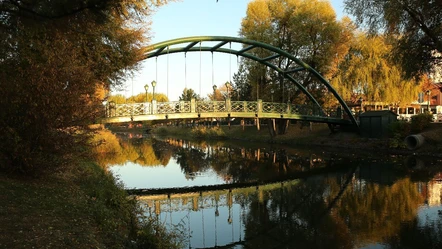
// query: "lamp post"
[[154, 83], [272, 92], [214, 92], [146, 87], [227, 86], [428, 102]]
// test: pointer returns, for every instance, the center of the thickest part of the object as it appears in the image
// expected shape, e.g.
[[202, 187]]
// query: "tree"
[[117, 99], [216, 95], [189, 94], [220, 93], [240, 84], [369, 72], [56, 56], [415, 24], [307, 29]]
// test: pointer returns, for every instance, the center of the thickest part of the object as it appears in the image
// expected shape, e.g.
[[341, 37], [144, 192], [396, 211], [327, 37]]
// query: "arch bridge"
[[118, 113], [283, 63]]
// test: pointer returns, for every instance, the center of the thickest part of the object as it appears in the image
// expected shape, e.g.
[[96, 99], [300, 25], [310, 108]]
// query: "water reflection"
[[328, 211], [287, 198], [188, 164]]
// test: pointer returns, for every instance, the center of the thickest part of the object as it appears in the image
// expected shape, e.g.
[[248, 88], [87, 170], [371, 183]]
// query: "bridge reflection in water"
[[214, 218], [335, 203]]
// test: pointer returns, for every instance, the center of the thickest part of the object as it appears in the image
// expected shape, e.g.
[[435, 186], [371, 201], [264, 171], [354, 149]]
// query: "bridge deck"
[[117, 113]]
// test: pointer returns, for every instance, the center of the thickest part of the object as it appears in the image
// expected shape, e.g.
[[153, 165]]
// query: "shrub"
[[204, 132], [400, 128], [398, 131], [420, 122]]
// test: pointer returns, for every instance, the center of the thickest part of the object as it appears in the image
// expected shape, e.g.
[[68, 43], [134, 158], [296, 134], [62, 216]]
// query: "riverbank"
[[81, 207], [316, 135]]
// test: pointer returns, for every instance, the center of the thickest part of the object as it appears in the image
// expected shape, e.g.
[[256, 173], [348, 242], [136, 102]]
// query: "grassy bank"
[[317, 135], [80, 208]]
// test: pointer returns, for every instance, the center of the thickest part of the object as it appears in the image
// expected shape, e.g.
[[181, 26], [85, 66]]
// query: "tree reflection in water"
[[335, 203]]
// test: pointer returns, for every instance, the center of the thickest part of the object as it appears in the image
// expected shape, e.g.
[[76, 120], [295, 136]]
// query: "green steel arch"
[[190, 45]]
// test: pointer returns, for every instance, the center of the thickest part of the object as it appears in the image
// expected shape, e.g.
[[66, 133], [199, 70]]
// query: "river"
[[241, 195]]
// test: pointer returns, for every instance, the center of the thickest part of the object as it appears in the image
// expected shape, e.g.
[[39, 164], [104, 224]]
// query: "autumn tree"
[[369, 71], [139, 98], [417, 26], [306, 29], [117, 99], [55, 54], [221, 92], [216, 95]]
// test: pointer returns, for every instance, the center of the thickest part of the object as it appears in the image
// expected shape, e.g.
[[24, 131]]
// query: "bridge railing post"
[[259, 112], [181, 110], [289, 111], [106, 110], [147, 108], [154, 107], [228, 105], [112, 109], [192, 105]]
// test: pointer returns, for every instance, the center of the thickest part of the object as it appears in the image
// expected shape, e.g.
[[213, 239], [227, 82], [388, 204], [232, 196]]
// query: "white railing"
[[177, 107], [129, 109], [211, 106], [172, 107]]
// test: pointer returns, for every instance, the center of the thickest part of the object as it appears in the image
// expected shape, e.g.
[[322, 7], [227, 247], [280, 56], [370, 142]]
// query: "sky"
[[187, 18]]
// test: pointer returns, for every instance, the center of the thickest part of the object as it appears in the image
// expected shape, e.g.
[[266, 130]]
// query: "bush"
[[420, 122], [398, 131], [204, 132], [400, 128]]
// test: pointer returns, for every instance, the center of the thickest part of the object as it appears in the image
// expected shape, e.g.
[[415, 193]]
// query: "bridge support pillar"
[[278, 126], [272, 127], [258, 113], [283, 126]]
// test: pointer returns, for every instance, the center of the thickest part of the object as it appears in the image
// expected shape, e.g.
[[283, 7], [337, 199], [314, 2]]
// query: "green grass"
[[80, 208]]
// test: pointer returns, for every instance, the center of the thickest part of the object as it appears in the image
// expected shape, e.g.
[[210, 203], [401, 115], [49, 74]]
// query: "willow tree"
[[55, 56], [368, 71], [416, 24], [308, 30]]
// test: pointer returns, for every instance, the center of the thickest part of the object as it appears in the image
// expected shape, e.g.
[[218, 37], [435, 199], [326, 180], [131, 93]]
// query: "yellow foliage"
[[147, 153], [385, 206], [105, 142], [369, 71]]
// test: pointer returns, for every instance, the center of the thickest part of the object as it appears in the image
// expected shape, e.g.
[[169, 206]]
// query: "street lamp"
[[428, 103], [214, 92], [227, 86], [154, 83], [146, 87], [272, 92]]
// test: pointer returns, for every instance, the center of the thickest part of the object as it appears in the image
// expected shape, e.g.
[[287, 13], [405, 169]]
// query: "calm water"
[[282, 197]]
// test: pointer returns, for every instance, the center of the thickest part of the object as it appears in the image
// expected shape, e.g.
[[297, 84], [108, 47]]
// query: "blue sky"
[[193, 18]]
